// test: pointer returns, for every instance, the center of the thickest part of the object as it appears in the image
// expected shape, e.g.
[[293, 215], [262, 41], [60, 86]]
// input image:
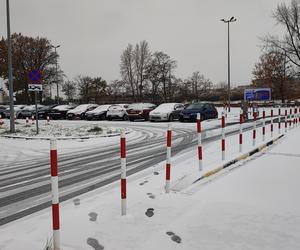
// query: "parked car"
[[79, 111], [28, 111], [206, 110], [44, 111], [139, 111], [166, 112], [117, 111], [98, 113], [17, 110], [2, 109], [60, 111]]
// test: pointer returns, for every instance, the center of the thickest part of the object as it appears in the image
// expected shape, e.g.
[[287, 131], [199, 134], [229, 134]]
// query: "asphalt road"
[[25, 188]]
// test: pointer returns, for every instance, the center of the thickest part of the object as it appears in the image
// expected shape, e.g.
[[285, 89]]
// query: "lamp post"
[[56, 76], [232, 19], [10, 77]]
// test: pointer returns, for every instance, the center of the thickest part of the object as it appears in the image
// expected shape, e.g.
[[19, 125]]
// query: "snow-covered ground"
[[251, 205]]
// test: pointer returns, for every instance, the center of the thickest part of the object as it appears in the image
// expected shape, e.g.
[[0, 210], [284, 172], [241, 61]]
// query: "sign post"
[[35, 78]]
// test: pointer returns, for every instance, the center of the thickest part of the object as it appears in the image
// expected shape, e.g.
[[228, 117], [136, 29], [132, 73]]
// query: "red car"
[[139, 111]]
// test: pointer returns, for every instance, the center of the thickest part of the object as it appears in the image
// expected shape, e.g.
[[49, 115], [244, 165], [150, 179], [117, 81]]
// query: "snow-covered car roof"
[[140, 105], [83, 107], [99, 109], [165, 107], [63, 107]]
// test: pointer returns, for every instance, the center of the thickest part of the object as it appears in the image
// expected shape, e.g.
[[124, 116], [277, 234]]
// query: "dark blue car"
[[206, 110]]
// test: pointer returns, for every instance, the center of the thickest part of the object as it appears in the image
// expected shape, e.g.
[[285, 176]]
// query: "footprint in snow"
[[94, 244], [155, 173], [150, 212], [174, 237], [142, 183], [93, 216], [76, 202]]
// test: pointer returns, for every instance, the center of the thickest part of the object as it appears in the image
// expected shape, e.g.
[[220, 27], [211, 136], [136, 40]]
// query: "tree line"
[[279, 64], [147, 75]]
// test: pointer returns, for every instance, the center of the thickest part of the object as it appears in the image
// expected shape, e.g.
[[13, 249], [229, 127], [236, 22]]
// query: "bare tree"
[[142, 57], [69, 89], [127, 69], [289, 44], [273, 71], [199, 84], [159, 73]]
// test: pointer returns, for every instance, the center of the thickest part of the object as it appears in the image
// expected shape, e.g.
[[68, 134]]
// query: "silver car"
[[166, 112], [117, 111]]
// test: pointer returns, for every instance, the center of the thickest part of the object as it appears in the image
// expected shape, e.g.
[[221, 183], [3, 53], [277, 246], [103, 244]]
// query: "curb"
[[62, 138], [242, 157]]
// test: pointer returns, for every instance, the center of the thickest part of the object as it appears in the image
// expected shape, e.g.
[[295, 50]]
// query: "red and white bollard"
[[32, 120], [254, 128], [272, 126], [296, 116], [55, 195], [264, 125], [123, 173], [279, 121], [290, 119], [48, 120], [1, 121], [168, 161], [285, 120], [241, 132], [199, 132], [223, 136]]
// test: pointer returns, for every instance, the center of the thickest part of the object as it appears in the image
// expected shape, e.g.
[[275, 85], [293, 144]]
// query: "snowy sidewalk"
[[253, 205]]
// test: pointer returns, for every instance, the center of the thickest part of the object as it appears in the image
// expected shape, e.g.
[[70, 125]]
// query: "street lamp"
[[232, 19], [56, 75], [10, 77]]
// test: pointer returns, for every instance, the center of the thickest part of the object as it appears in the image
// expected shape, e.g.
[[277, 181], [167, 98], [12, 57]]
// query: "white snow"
[[251, 205]]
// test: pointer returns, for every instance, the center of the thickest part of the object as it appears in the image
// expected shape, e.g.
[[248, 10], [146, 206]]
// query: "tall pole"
[[232, 19], [56, 75], [228, 80], [10, 78]]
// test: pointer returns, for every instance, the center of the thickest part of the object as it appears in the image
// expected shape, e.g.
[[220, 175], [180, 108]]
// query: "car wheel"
[[171, 118], [103, 117], [125, 117]]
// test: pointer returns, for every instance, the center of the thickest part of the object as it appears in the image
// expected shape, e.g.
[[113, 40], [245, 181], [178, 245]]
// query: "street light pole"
[[56, 76], [10, 77], [232, 19]]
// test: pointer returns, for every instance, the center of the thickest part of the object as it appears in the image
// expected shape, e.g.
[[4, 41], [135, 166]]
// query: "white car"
[[98, 113], [79, 111], [117, 111], [166, 112]]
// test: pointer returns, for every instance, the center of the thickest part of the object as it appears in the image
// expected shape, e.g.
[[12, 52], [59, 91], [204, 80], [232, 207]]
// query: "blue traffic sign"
[[259, 94], [34, 76]]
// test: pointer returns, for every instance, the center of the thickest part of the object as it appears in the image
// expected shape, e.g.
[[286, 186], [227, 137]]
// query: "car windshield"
[[63, 107], [82, 107], [195, 106], [102, 108]]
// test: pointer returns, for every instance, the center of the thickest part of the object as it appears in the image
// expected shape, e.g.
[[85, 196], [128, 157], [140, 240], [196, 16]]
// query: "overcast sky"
[[93, 33]]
